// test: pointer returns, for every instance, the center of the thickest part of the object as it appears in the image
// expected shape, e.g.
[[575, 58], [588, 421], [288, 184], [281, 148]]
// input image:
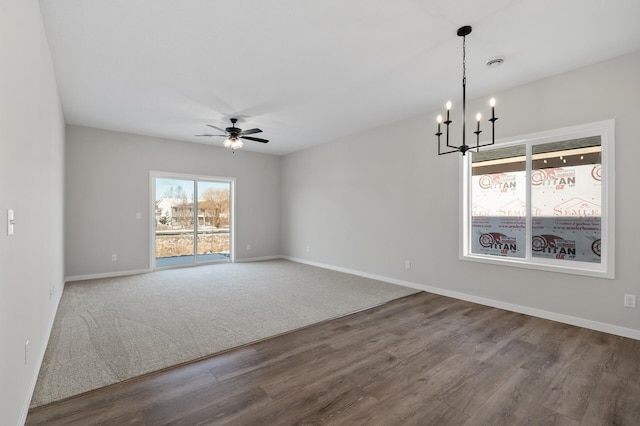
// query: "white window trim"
[[605, 269]]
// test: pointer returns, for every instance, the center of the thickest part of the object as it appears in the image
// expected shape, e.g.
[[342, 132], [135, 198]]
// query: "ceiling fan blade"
[[250, 131], [207, 134], [254, 139], [217, 128]]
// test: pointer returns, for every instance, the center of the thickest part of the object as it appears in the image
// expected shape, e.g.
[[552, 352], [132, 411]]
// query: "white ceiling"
[[308, 72]]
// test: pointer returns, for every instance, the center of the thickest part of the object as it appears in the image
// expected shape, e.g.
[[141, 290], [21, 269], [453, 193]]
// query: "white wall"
[[31, 183], [369, 202], [107, 183]]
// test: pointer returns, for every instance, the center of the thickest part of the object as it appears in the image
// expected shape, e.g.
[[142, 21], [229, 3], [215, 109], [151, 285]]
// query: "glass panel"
[[566, 200], [174, 222], [213, 221], [498, 202]]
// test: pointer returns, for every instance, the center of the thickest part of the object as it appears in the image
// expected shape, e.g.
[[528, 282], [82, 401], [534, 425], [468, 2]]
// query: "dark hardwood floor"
[[420, 360]]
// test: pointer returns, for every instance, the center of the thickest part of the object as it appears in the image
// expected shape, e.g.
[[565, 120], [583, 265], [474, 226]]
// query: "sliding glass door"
[[193, 218], [213, 224]]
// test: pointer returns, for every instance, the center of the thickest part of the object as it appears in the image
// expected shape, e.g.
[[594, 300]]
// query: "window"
[[544, 201]]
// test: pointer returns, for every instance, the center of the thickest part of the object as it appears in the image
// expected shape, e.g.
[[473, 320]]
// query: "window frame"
[[606, 268]]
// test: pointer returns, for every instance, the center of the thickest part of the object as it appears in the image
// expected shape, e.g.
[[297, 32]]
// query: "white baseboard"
[[106, 275], [145, 271], [258, 259], [40, 355], [554, 316]]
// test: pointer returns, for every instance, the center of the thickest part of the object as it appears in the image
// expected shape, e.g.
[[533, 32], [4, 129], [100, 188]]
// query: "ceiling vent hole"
[[495, 62]]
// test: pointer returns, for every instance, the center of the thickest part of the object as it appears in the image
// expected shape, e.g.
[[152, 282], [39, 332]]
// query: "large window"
[[544, 201]]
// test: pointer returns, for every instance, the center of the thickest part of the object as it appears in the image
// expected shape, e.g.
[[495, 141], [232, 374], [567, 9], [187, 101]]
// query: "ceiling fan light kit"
[[463, 148], [234, 135], [233, 143]]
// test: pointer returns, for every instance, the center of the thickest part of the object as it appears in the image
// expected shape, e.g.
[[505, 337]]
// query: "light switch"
[[10, 222]]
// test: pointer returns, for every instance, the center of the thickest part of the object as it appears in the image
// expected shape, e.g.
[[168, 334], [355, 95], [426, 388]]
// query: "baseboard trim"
[[41, 352], [534, 312], [258, 259], [146, 271], [106, 275]]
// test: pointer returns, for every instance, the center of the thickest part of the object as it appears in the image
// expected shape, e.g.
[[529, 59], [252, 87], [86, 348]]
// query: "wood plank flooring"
[[420, 360]]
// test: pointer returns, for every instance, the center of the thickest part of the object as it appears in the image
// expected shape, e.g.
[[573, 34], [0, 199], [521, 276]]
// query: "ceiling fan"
[[235, 134]]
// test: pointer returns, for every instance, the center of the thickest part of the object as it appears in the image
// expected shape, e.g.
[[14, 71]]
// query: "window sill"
[[581, 268]]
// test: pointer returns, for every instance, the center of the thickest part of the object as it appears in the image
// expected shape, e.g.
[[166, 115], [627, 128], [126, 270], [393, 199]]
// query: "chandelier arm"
[[477, 133], [447, 129], [493, 126], [455, 148]]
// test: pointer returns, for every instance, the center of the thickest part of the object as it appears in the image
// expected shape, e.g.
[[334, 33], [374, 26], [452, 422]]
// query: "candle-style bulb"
[[448, 105], [439, 119], [478, 116], [492, 102]]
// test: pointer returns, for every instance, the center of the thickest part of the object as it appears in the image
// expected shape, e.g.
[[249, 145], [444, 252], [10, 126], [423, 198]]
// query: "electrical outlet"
[[308, 249], [630, 300], [407, 264], [138, 215], [114, 257], [248, 247], [26, 352]]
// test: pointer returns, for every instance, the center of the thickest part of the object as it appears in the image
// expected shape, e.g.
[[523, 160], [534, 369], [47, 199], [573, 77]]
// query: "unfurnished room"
[[330, 213]]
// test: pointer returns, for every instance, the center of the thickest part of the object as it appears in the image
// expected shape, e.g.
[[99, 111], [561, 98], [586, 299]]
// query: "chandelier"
[[464, 32]]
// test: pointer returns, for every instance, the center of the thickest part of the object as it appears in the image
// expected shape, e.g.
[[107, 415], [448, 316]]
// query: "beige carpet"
[[110, 330]]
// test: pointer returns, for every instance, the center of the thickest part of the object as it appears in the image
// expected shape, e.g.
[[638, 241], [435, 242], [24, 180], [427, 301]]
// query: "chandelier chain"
[[464, 59]]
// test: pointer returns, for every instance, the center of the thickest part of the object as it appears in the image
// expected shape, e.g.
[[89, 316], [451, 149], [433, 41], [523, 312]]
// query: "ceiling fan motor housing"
[[233, 131]]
